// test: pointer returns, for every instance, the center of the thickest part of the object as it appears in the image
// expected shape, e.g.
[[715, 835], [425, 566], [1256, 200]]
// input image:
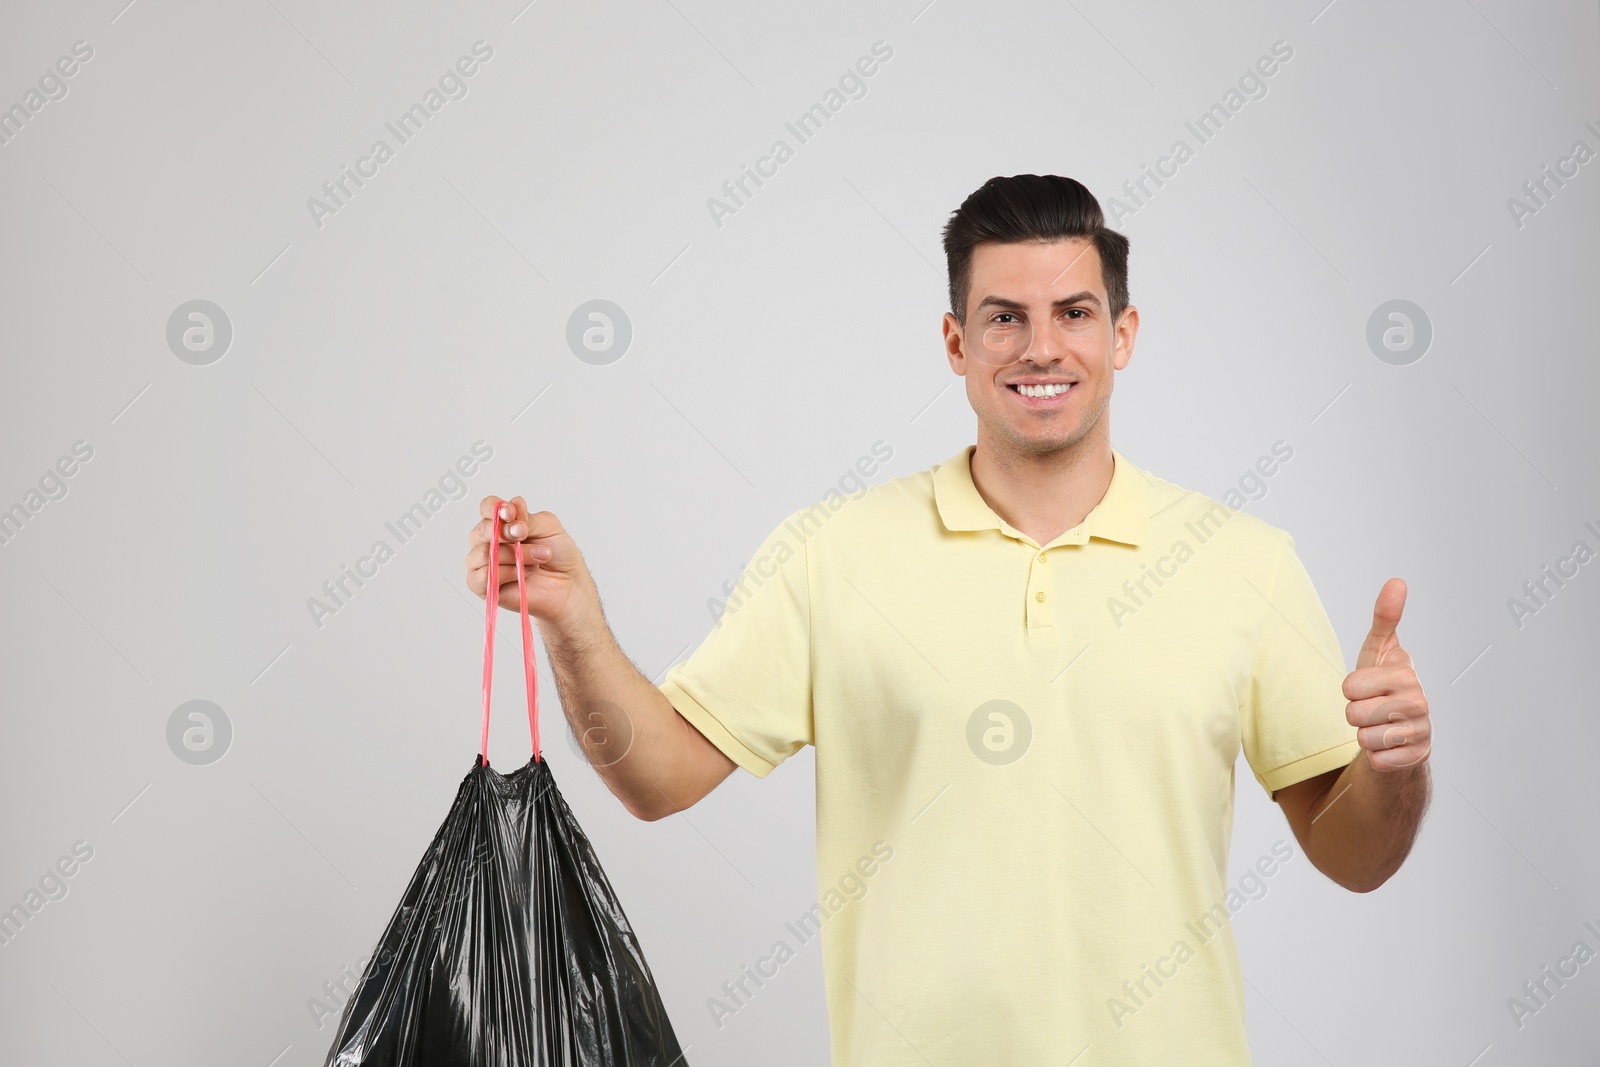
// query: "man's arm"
[[1357, 825], [647, 754]]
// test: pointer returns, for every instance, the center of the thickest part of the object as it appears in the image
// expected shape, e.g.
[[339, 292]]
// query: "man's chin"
[[1031, 441]]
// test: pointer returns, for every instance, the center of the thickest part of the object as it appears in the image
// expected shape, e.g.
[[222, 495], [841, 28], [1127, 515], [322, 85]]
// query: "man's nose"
[[1044, 347]]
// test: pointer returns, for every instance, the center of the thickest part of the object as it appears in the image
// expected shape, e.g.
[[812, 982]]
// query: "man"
[[1027, 673]]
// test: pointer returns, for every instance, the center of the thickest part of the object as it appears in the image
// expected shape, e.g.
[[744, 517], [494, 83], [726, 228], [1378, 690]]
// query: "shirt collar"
[[1120, 515]]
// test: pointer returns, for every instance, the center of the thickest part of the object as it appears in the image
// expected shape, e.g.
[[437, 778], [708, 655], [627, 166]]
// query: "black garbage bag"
[[509, 947]]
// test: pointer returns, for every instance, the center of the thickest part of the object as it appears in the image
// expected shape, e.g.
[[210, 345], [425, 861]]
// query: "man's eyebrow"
[[1006, 303]]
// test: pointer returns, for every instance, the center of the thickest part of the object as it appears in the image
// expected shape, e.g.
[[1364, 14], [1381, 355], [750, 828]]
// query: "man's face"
[[1037, 321]]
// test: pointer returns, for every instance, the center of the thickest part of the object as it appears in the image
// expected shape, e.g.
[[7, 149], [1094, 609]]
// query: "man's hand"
[[1358, 825], [651, 757], [559, 585], [1387, 704]]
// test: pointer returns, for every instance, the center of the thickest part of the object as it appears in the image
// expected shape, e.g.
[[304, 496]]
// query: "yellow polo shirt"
[[1024, 760]]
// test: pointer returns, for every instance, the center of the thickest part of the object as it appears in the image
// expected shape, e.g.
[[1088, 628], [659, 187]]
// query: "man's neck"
[[1042, 494]]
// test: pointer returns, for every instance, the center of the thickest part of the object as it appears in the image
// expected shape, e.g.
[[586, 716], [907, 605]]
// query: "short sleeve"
[[1293, 719], [747, 687]]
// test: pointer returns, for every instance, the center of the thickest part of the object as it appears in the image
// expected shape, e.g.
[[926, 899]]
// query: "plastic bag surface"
[[509, 947]]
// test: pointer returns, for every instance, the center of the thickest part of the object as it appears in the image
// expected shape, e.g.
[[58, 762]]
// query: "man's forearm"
[[1363, 827], [630, 732]]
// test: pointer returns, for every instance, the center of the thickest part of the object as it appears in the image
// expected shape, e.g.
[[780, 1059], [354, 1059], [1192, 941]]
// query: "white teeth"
[[1044, 390]]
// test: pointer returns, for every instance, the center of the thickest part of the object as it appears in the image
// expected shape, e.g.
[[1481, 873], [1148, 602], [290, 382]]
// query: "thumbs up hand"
[[1387, 705]]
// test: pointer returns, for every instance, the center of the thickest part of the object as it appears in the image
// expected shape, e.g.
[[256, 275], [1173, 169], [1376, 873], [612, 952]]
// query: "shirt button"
[[1039, 596], [1041, 557]]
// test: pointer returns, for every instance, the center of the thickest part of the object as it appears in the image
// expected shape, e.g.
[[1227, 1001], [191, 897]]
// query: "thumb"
[[1381, 639]]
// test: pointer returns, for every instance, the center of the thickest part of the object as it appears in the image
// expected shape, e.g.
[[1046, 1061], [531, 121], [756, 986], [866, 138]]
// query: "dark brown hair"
[[1032, 207]]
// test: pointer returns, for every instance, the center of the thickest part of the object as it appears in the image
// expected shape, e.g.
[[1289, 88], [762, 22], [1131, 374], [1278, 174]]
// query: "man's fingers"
[[506, 575], [1391, 677], [1403, 730], [514, 531], [516, 523], [514, 515], [513, 510], [533, 527], [486, 506], [1378, 738], [524, 525], [1400, 743], [532, 556], [1381, 711]]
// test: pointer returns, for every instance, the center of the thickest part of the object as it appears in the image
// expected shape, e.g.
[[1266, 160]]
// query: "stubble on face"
[[1046, 438]]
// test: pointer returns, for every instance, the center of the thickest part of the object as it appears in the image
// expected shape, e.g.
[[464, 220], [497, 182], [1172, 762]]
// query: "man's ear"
[[954, 344], [1123, 335]]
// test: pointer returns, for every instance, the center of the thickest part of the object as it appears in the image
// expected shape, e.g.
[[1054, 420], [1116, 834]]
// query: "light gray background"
[[768, 355]]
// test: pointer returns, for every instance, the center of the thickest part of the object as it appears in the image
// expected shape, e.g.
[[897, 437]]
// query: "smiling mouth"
[[1041, 392]]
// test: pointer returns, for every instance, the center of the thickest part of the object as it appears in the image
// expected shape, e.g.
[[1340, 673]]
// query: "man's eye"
[[1004, 315], [1076, 311]]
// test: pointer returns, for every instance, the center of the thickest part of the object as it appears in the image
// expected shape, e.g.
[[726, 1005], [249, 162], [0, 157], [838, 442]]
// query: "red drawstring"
[[529, 669], [492, 608]]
